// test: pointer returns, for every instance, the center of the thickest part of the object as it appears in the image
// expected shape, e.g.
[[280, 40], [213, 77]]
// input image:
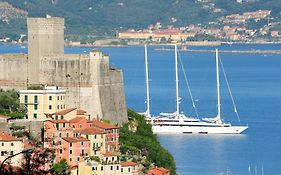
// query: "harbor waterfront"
[[255, 80]]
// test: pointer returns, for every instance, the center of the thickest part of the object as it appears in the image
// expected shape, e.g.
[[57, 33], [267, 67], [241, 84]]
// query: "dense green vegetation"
[[61, 168], [103, 18], [137, 138], [9, 104]]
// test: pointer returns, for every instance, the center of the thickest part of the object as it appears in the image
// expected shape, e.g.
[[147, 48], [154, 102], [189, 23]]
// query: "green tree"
[[142, 142], [61, 168], [9, 100], [9, 104]]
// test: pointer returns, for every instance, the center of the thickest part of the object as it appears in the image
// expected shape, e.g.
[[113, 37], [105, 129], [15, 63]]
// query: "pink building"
[[74, 150], [55, 130], [79, 123], [111, 135]]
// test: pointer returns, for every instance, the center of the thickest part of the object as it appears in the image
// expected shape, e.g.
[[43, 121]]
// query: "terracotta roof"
[[124, 164], [77, 119], [91, 130], [6, 137], [109, 154], [59, 121], [65, 111], [4, 117], [104, 125], [80, 112], [75, 139], [156, 170]]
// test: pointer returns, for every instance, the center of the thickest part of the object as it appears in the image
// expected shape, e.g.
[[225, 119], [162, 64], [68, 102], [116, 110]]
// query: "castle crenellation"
[[90, 82]]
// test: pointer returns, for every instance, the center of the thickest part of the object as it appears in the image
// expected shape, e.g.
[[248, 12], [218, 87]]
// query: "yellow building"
[[135, 35], [41, 103]]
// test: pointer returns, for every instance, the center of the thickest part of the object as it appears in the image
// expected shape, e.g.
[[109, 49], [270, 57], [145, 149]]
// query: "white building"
[[10, 145]]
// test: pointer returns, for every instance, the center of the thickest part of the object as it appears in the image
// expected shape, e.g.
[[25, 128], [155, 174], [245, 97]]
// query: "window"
[[78, 159], [60, 151], [82, 143], [87, 136], [35, 115], [82, 152], [70, 144], [70, 151], [57, 126], [129, 169], [95, 136], [61, 106], [25, 99], [50, 98], [35, 106], [12, 152], [63, 125], [57, 117], [61, 117], [70, 159], [67, 134], [12, 144], [111, 167], [117, 167], [58, 106], [58, 97], [50, 107], [61, 97], [35, 99], [60, 134], [101, 168], [121, 170], [2, 144], [2, 153]]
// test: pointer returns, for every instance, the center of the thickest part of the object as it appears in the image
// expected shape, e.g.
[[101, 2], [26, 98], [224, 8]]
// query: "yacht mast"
[[218, 85], [147, 84], [177, 81]]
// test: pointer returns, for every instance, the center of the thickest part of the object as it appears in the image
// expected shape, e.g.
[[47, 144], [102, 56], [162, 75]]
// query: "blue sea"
[[255, 81]]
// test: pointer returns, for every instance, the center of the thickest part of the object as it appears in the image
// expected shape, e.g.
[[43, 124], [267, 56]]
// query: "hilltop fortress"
[[90, 82]]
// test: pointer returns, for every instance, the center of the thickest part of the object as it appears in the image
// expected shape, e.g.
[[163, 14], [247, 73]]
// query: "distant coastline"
[[189, 43]]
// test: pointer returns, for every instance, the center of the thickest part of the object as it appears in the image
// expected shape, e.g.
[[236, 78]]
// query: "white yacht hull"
[[199, 129]]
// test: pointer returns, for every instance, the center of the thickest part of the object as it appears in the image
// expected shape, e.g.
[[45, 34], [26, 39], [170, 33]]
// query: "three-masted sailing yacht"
[[179, 123]]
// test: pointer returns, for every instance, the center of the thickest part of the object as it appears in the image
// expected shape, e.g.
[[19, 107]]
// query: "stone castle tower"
[[45, 37], [90, 82]]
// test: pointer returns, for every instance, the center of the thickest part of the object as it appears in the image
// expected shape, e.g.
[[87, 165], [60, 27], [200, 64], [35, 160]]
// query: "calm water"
[[255, 81]]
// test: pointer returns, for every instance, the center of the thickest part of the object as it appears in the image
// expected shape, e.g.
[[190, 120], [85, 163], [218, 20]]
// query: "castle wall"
[[90, 82], [13, 71]]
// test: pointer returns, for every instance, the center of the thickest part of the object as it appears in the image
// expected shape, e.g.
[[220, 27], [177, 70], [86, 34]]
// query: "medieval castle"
[[90, 82]]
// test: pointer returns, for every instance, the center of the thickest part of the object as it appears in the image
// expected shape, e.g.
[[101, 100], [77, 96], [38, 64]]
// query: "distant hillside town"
[[229, 28]]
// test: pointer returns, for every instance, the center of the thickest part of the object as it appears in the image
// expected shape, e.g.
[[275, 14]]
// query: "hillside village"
[[64, 113], [201, 20], [88, 146], [228, 28]]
